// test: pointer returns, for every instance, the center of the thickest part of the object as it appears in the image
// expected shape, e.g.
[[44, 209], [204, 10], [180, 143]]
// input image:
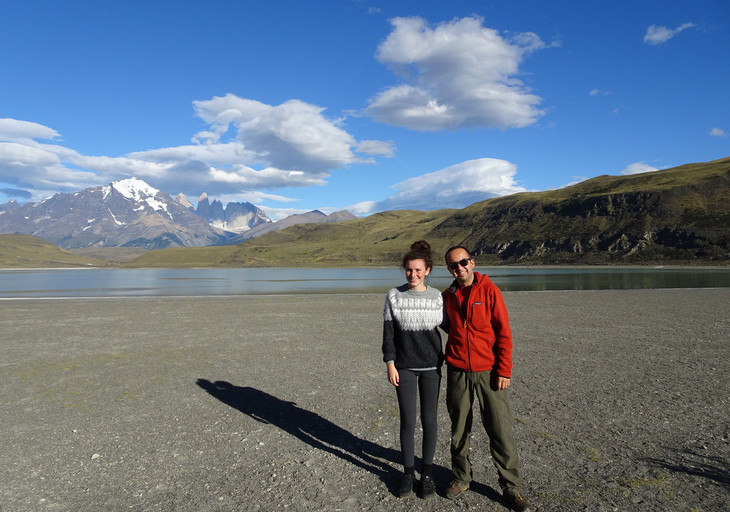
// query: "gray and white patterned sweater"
[[411, 338]]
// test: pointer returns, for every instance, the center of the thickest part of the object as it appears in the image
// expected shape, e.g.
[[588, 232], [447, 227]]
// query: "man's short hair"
[[453, 248]]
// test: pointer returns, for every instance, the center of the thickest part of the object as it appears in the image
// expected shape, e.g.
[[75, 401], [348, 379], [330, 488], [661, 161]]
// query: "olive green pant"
[[496, 416]]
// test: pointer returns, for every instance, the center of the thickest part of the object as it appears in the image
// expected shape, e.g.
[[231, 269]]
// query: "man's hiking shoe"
[[517, 502], [428, 487], [456, 489], [406, 486]]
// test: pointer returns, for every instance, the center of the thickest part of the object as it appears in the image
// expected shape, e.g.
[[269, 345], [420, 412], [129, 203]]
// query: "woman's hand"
[[393, 376]]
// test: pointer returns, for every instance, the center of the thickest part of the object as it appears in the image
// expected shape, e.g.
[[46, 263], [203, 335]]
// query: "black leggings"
[[425, 384]]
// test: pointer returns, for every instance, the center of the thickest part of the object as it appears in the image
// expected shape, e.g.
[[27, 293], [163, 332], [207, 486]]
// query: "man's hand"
[[393, 376], [502, 383]]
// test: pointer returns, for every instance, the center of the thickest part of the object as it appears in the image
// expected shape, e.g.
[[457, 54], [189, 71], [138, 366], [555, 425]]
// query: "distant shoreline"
[[308, 281], [478, 266]]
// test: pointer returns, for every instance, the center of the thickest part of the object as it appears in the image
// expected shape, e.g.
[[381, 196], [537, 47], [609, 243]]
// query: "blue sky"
[[366, 105]]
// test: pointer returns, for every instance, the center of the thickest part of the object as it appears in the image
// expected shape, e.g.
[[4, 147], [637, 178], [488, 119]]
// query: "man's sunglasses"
[[455, 264]]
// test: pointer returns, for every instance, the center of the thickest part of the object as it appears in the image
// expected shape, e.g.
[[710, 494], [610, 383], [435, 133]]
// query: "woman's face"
[[416, 273]]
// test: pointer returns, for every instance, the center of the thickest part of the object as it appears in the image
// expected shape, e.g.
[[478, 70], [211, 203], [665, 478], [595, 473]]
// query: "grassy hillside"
[[111, 255], [183, 257], [375, 240], [379, 239], [679, 215], [26, 251]]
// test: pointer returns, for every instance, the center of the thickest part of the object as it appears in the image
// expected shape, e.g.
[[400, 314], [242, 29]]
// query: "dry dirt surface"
[[620, 401]]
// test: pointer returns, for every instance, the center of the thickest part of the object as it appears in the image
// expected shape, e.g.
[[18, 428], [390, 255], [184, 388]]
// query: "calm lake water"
[[266, 281]]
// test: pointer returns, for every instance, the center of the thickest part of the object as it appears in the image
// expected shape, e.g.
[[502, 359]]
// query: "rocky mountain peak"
[[134, 188], [183, 200], [138, 191]]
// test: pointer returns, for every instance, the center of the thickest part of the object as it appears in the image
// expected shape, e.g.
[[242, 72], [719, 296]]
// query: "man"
[[478, 356]]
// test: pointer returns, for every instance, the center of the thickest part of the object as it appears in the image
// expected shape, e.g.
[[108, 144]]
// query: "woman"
[[413, 355]]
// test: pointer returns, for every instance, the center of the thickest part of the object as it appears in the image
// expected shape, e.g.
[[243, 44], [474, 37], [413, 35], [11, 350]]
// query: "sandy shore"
[[620, 401]]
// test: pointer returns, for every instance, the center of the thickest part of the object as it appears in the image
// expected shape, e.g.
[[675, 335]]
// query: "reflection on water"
[[248, 281]]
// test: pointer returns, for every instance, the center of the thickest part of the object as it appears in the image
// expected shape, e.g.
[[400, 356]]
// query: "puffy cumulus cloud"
[[459, 74], [656, 34], [293, 135], [456, 186], [247, 146], [638, 168]]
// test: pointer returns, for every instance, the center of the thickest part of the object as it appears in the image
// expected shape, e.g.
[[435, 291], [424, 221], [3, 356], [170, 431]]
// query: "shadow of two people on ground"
[[322, 434]]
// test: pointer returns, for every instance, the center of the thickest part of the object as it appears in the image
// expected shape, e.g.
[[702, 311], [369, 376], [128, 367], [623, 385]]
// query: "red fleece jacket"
[[480, 338]]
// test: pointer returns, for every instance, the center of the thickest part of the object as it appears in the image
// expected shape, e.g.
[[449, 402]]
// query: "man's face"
[[461, 266]]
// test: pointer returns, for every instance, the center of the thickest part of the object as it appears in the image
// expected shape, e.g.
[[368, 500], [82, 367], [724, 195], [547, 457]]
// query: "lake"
[[43, 283]]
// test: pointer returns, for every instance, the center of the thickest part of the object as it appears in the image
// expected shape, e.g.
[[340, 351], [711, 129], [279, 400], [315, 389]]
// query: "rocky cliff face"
[[684, 222], [234, 218]]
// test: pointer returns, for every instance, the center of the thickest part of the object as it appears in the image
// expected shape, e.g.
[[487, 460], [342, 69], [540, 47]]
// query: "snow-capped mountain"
[[131, 213], [126, 213]]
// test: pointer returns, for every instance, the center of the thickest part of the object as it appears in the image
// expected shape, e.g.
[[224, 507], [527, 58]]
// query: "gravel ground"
[[620, 401]]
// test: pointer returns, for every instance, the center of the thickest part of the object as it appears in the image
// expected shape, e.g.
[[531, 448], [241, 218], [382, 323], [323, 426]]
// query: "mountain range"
[[673, 216], [313, 217], [131, 213]]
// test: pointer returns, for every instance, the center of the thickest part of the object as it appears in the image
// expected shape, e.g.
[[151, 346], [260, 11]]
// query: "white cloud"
[[656, 34], [281, 213], [247, 147], [456, 186], [638, 168], [210, 153], [376, 147], [459, 74], [574, 181], [599, 92], [717, 132], [293, 135], [13, 129], [40, 168]]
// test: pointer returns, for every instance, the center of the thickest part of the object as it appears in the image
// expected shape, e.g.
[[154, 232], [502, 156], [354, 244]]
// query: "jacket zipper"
[[469, 314]]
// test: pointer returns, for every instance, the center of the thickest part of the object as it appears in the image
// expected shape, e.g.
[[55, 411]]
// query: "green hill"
[[679, 215], [374, 240], [26, 251]]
